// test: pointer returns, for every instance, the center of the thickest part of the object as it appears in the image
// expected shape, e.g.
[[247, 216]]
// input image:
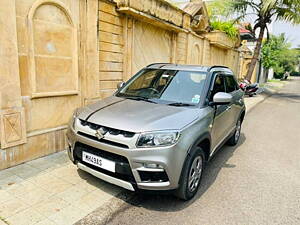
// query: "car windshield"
[[180, 88]]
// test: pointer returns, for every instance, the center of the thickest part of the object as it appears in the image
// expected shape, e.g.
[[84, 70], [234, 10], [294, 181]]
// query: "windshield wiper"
[[180, 104], [140, 98]]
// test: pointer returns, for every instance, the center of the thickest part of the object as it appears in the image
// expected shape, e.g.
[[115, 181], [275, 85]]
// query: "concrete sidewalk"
[[268, 89], [253, 101], [51, 190]]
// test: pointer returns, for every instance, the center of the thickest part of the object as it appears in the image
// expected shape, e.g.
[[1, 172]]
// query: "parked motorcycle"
[[248, 88]]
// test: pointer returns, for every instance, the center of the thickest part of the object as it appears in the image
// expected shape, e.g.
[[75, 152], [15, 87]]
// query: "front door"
[[221, 125]]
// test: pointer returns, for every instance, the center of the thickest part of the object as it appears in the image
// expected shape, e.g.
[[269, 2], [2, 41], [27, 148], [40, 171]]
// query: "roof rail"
[[223, 68], [212, 67], [159, 64]]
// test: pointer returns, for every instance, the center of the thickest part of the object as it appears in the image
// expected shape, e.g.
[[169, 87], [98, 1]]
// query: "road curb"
[[106, 212], [266, 93]]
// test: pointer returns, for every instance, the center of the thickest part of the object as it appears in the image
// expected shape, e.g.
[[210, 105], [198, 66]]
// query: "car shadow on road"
[[158, 201]]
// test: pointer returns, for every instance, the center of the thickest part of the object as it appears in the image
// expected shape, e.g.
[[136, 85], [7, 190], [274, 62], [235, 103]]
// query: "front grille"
[[149, 176], [79, 147], [123, 169], [110, 130], [105, 141]]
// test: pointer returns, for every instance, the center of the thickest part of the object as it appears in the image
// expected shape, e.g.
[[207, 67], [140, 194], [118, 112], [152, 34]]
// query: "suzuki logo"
[[100, 133]]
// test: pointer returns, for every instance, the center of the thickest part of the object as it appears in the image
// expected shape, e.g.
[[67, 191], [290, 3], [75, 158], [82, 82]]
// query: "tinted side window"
[[230, 84], [144, 81], [219, 86], [237, 86]]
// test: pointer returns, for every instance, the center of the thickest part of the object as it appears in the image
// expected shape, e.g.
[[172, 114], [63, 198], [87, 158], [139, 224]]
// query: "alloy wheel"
[[195, 174], [237, 131]]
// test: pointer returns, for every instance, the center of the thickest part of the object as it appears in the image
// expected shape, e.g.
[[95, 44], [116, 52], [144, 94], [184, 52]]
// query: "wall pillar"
[[89, 51], [206, 53], [128, 47], [189, 48], [12, 126], [174, 47]]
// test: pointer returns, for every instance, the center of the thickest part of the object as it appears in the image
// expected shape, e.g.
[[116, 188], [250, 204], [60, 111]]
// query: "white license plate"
[[99, 161]]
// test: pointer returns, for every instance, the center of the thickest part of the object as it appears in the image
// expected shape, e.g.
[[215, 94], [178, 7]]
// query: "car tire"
[[191, 174], [234, 139]]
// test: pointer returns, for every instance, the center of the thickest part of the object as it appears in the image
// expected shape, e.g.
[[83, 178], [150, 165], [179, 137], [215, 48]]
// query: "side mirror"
[[120, 85], [222, 98]]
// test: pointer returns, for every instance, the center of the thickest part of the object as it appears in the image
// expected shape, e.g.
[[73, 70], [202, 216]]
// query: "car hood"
[[138, 116]]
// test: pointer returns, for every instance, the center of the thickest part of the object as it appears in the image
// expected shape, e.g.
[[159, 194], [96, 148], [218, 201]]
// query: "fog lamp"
[[152, 166]]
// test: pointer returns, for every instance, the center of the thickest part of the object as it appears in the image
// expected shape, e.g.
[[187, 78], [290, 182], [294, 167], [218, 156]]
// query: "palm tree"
[[266, 11]]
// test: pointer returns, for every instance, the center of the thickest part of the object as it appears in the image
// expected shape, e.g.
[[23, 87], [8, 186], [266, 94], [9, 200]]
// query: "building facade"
[[57, 55]]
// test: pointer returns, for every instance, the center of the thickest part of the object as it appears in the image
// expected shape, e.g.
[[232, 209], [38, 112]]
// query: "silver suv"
[[160, 128]]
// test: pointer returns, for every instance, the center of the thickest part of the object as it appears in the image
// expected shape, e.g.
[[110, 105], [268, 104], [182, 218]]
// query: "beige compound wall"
[[47, 62], [111, 48], [151, 44], [200, 51]]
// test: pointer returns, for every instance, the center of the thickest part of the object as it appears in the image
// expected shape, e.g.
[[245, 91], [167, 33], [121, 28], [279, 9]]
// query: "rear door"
[[234, 107]]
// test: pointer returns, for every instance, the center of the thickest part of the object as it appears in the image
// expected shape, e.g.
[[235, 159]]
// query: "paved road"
[[257, 182]]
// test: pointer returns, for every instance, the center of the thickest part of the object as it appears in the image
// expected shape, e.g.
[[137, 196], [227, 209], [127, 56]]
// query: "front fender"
[[205, 136]]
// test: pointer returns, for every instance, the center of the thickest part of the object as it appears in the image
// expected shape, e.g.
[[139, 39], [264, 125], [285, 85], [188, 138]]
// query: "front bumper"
[[170, 161], [110, 179]]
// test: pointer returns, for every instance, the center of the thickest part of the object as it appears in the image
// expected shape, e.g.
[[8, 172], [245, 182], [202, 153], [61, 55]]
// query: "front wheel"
[[191, 174]]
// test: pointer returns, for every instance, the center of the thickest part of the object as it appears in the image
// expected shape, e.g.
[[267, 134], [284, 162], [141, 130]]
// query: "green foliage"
[[218, 9], [227, 27], [278, 75], [272, 50], [266, 11], [249, 27], [274, 81], [277, 54], [294, 73]]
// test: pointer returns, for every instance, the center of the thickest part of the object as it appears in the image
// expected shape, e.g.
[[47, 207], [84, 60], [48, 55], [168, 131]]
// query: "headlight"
[[74, 116], [158, 139]]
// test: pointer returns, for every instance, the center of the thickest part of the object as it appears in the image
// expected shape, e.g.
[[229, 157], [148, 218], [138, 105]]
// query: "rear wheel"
[[236, 135], [191, 174]]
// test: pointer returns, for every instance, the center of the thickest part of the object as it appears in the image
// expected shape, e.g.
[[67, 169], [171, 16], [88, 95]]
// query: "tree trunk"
[[256, 54]]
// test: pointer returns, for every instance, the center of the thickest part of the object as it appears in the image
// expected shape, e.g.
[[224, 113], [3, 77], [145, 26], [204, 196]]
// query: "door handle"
[[228, 108]]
